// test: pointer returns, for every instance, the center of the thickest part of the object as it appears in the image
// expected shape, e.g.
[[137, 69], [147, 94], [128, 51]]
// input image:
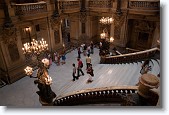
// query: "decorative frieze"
[[100, 3], [145, 4]]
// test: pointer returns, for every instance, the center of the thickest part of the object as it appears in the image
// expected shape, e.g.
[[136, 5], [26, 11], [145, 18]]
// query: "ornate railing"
[[30, 8], [68, 5], [130, 57], [144, 4], [100, 3], [113, 95]]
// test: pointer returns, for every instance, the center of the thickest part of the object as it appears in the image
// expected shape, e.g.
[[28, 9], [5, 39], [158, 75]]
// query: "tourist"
[[84, 49], [50, 59], [92, 47], [55, 57], [74, 72], [88, 61], [79, 68], [63, 59], [88, 50], [79, 52], [90, 73], [58, 57], [145, 67]]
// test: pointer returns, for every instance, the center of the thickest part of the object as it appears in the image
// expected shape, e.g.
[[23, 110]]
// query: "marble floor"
[[22, 93]]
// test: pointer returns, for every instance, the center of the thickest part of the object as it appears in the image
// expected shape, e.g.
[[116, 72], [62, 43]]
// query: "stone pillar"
[[147, 82]]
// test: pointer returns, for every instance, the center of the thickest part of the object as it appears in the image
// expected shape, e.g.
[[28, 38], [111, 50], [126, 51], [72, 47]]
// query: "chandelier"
[[106, 20], [36, 48]]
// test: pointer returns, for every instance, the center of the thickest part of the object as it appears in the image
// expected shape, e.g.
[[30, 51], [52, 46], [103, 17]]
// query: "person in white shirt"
[[74, 72], [88, 61]]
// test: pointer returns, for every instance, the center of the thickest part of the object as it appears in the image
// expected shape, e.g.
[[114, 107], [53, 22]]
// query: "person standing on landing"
[[79, 68]]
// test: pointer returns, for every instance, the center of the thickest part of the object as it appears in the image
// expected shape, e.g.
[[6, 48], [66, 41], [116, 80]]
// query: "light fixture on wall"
[[111, 39], [28, 31], [38, 49], [103, 35], [106, 20]]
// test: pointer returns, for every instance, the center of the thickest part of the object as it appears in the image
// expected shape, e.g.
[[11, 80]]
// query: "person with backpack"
[[79, 68]]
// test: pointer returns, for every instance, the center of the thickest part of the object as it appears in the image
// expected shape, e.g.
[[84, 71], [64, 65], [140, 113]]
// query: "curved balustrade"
[[30, 8], [100, 3], [130, 57], [142, 4], [69, 6], [113, 95]]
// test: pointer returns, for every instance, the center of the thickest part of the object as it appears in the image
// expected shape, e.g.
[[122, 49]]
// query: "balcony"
[[29, 9], [100, 5], [142, 6], [71, 6]]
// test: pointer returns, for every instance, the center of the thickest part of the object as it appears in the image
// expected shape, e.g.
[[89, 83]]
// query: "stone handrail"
[[96, 95], [142, 4], [69, 5], [130, 57], [130, 50], [30, 8], [100, 3]]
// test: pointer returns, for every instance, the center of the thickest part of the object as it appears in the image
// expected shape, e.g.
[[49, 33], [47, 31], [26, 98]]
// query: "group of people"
[[86, 49], [79, 70], [89, 70], [58, 57]]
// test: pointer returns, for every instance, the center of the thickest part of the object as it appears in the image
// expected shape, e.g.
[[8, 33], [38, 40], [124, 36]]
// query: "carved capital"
[[83, 17], [9, 35], [55, 22]]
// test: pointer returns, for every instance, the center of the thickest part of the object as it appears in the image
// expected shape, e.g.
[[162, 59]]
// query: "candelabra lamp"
[[39, 49]]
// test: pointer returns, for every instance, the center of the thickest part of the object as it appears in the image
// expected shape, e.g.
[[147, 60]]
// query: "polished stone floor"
[[22, 93]]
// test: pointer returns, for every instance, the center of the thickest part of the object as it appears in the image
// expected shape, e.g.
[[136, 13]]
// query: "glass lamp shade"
[[111, 39], [45, 61], [28, 70], [48, 80]]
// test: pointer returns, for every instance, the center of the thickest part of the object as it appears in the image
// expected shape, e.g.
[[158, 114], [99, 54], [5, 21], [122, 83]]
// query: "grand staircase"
[[107, 75]]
